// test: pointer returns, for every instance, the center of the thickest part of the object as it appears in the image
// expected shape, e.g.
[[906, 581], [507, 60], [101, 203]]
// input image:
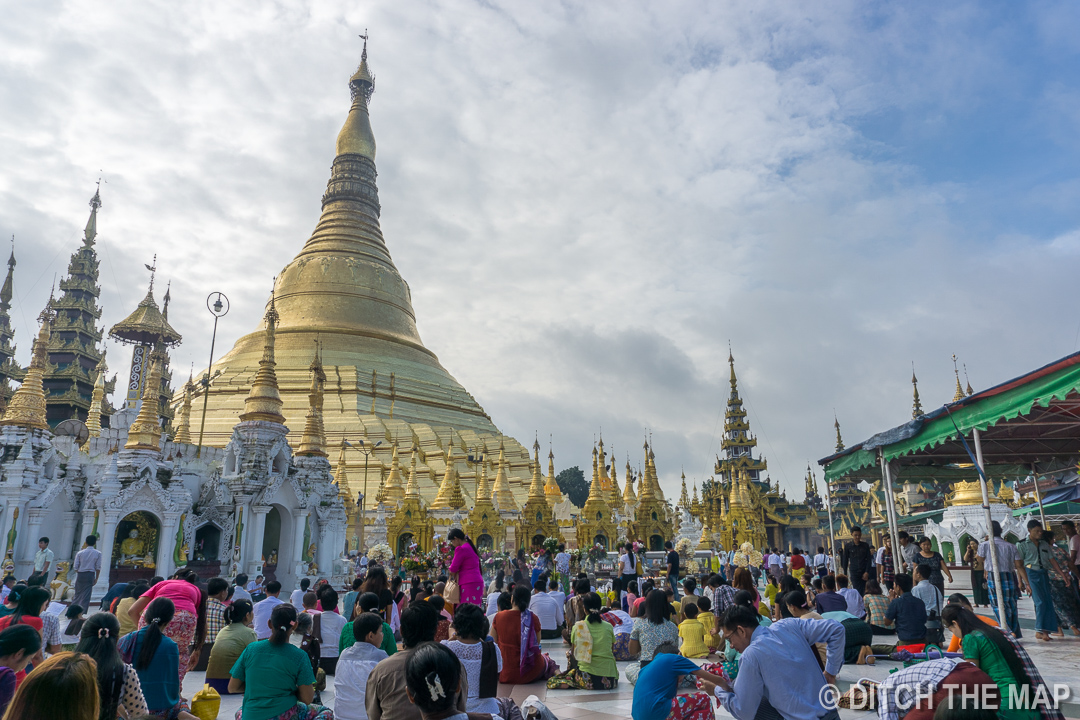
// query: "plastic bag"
[[533, 709], [206, 703]]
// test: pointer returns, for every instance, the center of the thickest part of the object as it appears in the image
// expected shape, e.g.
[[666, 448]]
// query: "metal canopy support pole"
[[832, 531], [990, 526], [1038, 495], [890, 508]]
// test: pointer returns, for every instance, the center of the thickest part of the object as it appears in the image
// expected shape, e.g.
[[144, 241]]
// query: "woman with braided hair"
[[591, 664], [157, 661], [118, 682], [276, 677]]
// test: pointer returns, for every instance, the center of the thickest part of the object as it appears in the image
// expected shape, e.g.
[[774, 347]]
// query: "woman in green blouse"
[[998, 656], [592, 638]]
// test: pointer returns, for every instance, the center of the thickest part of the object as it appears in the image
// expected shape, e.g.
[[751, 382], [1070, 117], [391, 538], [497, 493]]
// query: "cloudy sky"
[[589, 200]]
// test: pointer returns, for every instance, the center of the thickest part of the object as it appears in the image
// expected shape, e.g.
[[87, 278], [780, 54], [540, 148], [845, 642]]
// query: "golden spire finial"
[[313, 441], [356, 137], [536, 487], [552, 491], [916, 407], [628, 492], [616, 494], [839, 440], [968, 389], [264, 400], [412, 489], [182, 436], [145, 432], [450, 490], [501, 495], [27, 406], [393, 491], [483, 488], [959, 394], [97, 400], [90, 232]]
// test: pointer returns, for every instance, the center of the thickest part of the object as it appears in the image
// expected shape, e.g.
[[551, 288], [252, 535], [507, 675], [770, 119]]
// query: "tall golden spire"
[[483, 488], [551, 487], [392, 491], [412, 489], [264, 401], [90, 232], [313, 441], [145, 432], [628, 492], [959, 394], [967, 389], [27, 406], [502, 496], [183, 427], [536, 487], [341, 478], [916, 407], [97, 400], [839, 440], [684, 498], [616, 494], [646, 491], [450, 491]]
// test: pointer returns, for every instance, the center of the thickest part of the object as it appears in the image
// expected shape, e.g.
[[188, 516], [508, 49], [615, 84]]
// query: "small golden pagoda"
[[410, 522], [537, 518], [596, 524], [27, 406]]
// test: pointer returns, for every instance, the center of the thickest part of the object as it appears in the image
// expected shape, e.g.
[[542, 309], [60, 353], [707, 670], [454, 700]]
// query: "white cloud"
[[588, 201]]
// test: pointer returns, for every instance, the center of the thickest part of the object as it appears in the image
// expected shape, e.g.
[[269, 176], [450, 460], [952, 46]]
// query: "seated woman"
[[692, 632], [18, 646], [355, 665], [230, 644], [482, 660], [517, 632], [442, 632], [651, 630], [592, 654], [157, 662], [623, 624], [64, 687], [118, 682], [131, 593], [432, 681], [876, 604], [657, 684], [574, 608], [275, 675], [961, 600], [1000, 657], [73, 627]]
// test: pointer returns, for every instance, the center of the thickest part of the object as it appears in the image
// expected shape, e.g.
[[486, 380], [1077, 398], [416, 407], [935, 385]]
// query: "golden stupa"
[[343, 292]]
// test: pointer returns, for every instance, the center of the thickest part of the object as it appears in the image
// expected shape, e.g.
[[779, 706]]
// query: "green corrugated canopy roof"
[[1032, 418]]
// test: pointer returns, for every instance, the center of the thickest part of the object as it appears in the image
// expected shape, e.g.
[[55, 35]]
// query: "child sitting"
[[692, 633], [708, 621]]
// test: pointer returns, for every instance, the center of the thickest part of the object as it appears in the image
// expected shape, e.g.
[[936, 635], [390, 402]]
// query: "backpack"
[[311, 644]]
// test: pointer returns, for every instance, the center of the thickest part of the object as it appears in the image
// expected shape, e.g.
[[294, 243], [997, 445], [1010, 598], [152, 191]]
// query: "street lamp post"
[[367, 450], [219, 309]]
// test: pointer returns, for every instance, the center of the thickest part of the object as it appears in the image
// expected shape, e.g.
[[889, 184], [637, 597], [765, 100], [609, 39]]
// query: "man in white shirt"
[[87, 568], [549, 612], [776, 564], [297, 597], [239, 593], [263, 608], [555, 593], [851, 595], [331, 624], [43, 561], [908, 548], [255, 584]]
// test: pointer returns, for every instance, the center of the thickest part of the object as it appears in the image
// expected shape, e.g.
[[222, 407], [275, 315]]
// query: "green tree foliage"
[[572, 483]]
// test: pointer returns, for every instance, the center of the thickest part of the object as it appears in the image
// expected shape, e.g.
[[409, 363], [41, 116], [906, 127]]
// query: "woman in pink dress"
[[465, 567]]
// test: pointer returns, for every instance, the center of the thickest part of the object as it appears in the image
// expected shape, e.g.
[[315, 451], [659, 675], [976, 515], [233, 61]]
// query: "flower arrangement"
[[747, 555], [551, 545], [414, 560], [597, 553], [381, 554], [439, 558], [684, 547], [493, 560]]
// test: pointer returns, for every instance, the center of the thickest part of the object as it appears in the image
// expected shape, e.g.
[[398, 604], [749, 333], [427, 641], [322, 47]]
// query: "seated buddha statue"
[[132, 549]]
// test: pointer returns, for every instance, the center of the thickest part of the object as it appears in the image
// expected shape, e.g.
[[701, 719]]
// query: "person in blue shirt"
[[908, 611], [655, 695], [779, 672]]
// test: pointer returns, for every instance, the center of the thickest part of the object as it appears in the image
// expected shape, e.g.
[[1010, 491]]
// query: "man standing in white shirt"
[[776, 564], [87, 568], [263, 608], [549, 612], [43, 561]]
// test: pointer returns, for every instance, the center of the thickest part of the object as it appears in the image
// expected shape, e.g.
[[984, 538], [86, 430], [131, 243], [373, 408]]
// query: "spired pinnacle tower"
[[343, 291]]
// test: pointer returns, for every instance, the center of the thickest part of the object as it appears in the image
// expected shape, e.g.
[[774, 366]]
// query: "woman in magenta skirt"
[[465, 566]]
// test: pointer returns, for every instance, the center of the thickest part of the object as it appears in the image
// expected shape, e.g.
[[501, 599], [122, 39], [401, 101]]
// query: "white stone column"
[[258, 532], [66, 549], [166, 566], [327, 550], [298, 540], [107, 522]]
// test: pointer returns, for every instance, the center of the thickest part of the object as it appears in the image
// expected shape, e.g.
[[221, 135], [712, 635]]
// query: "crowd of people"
[[765, 638]]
